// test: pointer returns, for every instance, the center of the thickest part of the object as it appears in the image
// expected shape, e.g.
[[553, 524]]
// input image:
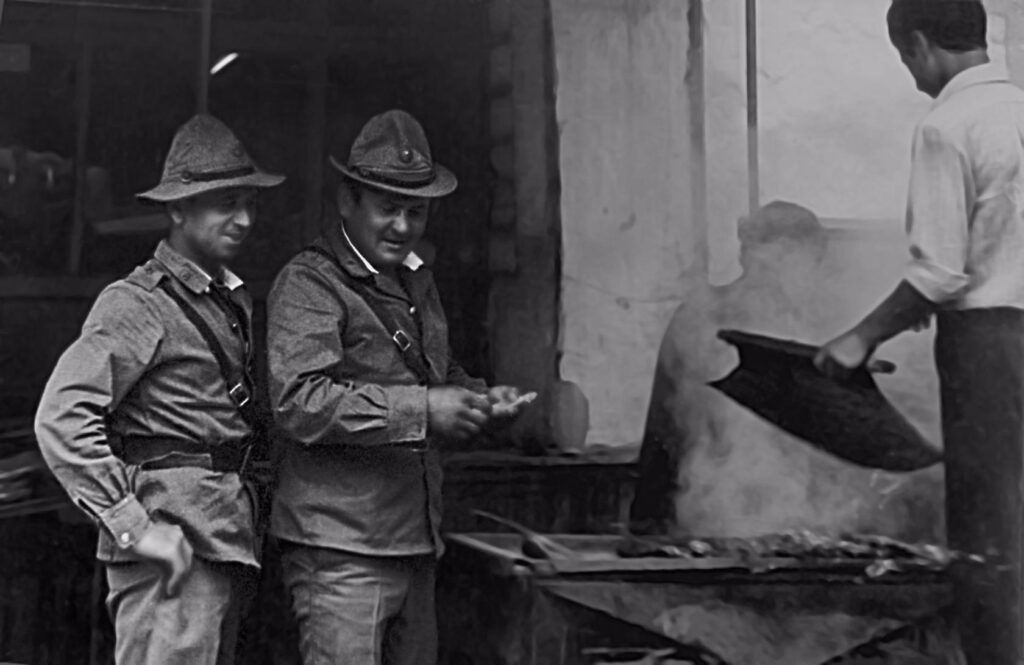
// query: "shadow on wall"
[[710, 467]]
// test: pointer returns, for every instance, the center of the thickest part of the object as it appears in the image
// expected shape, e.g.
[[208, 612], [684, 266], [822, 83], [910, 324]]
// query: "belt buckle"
[[402, 340], [235, 391]]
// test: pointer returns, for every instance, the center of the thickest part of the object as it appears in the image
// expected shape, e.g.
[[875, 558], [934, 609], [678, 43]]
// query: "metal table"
[[498, 606]]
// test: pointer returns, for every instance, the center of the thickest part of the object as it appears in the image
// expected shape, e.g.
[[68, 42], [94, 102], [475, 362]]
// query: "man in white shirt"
[[965, 220]]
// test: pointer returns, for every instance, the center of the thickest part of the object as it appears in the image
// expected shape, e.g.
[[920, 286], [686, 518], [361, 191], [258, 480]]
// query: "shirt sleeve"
[[118, 342], [304, 318], [938, 213]]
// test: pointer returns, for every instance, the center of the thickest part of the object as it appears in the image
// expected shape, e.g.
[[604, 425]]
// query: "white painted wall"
[[626, 208]]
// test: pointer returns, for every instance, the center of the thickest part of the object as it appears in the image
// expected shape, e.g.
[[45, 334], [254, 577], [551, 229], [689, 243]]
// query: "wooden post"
[[203, 78], [524, 308], [753, 160], [316, 125], [318, 18], [83, 90], [698, 127]]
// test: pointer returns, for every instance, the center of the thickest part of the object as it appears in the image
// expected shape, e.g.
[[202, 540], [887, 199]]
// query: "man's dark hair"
[[781, 220], [953, 25]]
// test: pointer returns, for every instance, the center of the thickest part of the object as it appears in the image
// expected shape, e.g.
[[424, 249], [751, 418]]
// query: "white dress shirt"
[[411, 261], [965, 213]]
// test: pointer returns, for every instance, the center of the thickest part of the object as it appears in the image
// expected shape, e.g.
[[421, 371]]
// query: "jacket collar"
[[351, 258], [188, 273], [990, 72]]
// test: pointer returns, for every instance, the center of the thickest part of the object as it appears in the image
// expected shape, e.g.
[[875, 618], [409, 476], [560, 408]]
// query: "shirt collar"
[[991, 72], [412, 262], [189, 274]]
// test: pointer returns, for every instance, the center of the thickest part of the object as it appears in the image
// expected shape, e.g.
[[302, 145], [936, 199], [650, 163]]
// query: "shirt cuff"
[[126, 521], [408, 413], [934, 282]]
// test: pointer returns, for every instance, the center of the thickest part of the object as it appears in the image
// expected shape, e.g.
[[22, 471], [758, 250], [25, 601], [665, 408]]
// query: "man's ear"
[[175, 210], [918, 44], [345, 199]]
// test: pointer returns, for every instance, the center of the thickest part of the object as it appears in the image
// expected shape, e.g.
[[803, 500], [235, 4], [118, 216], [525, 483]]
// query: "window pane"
[[139, 96], [37, 141]]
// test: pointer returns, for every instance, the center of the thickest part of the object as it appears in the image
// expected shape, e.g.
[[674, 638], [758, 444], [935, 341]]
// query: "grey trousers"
[[199, 626], [362, 610]]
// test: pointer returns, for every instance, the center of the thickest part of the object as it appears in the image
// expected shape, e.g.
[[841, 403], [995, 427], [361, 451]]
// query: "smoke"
[[737, 475]]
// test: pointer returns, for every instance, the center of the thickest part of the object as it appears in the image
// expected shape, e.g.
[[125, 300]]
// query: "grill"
[[795, 598]]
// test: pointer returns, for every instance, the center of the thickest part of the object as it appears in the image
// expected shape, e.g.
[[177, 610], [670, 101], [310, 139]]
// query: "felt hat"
[[391, 153], [205, 155]]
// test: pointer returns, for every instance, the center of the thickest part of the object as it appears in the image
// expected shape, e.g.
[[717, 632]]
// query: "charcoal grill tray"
[[597, 555], [804, 613]]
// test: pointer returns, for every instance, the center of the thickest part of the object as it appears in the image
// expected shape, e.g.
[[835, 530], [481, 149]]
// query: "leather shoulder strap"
[[238, 387], [406, 344]]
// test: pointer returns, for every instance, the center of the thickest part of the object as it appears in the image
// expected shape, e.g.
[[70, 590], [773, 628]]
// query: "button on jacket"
[[141, 369], [359, 473]]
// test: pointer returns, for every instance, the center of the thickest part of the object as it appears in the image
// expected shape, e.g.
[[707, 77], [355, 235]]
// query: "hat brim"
[[443, 184], [175, 191]]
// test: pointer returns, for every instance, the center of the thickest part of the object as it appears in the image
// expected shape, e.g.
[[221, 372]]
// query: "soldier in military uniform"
[[363, 383], [147, 418]]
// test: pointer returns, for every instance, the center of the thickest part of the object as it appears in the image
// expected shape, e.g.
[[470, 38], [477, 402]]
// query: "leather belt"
[[166, 453]]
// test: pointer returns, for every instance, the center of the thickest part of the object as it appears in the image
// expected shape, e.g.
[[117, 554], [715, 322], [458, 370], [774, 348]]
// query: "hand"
[[502, 397], [165, 545], [456, 413], [840, 357], [506, 402]]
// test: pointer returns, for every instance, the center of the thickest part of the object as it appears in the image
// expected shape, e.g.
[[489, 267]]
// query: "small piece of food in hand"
[[512, 407]]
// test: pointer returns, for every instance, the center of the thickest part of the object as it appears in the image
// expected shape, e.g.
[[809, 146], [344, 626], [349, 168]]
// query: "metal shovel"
[[851, 419]]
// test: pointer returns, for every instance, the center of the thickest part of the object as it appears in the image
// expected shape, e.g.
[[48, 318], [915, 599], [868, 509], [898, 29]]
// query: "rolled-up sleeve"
[[938, 211], [119, 340], [305, 317]]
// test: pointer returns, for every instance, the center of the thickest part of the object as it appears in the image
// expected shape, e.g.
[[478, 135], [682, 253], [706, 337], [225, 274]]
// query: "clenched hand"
[[166, 546], [456, 413], [840, 357]]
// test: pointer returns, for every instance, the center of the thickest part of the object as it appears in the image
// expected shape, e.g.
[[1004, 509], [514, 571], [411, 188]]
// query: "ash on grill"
[[879, 554]]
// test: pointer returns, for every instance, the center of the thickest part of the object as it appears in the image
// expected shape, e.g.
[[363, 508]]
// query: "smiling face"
[[210, 228], [383, 226]]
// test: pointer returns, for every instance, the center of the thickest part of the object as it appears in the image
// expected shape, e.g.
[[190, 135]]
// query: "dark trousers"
[[980, 359], [362, 610], [199, 626]]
